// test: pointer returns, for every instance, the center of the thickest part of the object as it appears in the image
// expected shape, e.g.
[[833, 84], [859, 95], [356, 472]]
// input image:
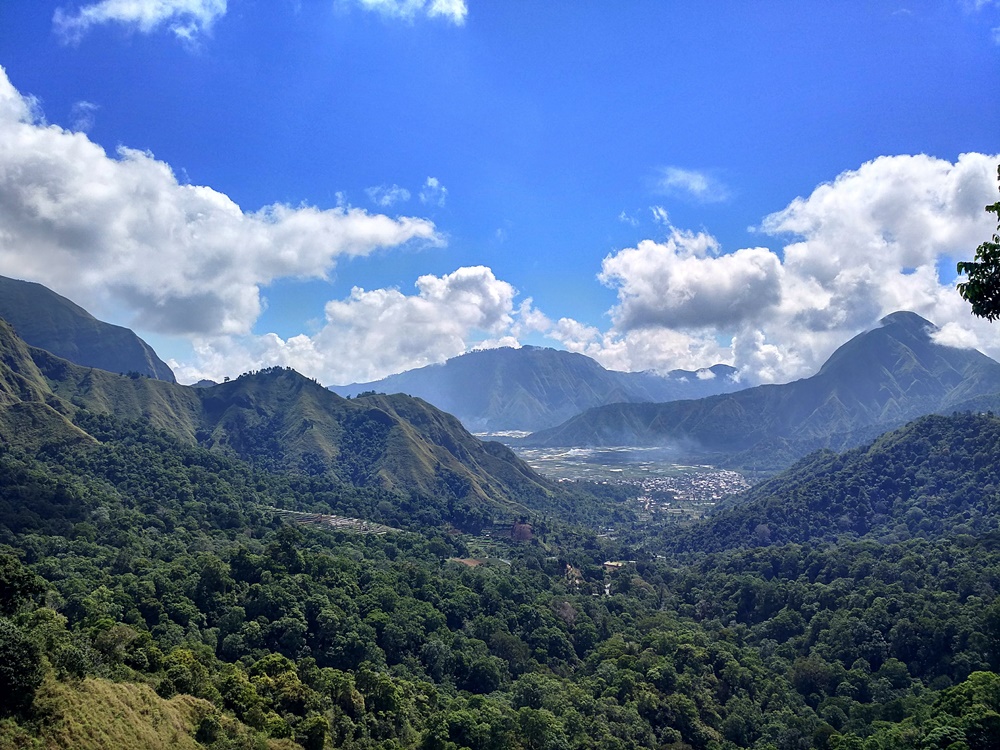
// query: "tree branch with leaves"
[[982, 289]]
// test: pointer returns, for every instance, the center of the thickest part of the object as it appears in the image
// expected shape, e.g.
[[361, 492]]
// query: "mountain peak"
[[908, 319], [900, 336]]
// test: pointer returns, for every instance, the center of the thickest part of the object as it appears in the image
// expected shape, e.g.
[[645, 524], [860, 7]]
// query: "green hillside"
[[281, 421], [96, 714], [935, 476], [49, 321], [141, 559], [155, 588]]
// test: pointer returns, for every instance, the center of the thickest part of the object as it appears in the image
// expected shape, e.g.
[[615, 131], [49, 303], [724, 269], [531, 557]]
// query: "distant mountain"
[[937, 475], [281, 422], [532, 388], [876, 381], [48, 321]]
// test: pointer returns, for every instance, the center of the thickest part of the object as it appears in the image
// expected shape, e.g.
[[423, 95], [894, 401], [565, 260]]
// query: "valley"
[[661, 489], [265, 564]]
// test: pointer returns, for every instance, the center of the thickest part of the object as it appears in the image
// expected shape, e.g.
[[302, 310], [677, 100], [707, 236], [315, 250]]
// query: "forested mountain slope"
[[49, 321], [140, 558], [937, 475], [140, 550], [532, 388], [282, 421], [876, 381]]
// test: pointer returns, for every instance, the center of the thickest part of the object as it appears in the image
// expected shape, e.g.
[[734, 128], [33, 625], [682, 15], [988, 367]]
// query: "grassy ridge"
[[96, 714]]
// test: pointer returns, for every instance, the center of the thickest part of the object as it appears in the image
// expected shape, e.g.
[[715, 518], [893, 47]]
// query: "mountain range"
[[49, 321], [531, 388], [169, 573], [280, 421], [877, 381]]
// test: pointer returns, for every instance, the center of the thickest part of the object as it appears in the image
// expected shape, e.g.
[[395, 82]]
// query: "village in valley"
[[663, 489]]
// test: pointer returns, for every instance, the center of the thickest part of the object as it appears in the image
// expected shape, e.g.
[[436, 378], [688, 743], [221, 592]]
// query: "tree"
[[20, 668], [18, 585], [982, 289]]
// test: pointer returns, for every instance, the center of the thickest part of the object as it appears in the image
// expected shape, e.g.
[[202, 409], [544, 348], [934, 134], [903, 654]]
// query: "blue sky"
[[357, 187]]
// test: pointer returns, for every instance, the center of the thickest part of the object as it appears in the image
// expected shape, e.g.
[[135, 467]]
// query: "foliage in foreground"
[[144, 562], [982, 288]]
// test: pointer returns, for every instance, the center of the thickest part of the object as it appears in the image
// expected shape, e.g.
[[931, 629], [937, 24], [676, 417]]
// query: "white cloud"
[[701, 186], [761, 361], [681, 283], [384, 196], [530, 319], [187, 19], [384, 330], [120, 232], [575, 336], [868, 243], [454, 10], [660, 349], [433, 192], [451, 10], [879, 232], [956, 335]]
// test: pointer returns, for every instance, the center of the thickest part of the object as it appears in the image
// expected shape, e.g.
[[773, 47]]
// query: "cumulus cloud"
[[120, 232], [187, 19], [659, 349], [877, 239], [454, 11], [433, 192], [956, 335], [530, 320], [390, 331], [385, 331], [868, 243], [691, 183], [872, 240], [683, 283]]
